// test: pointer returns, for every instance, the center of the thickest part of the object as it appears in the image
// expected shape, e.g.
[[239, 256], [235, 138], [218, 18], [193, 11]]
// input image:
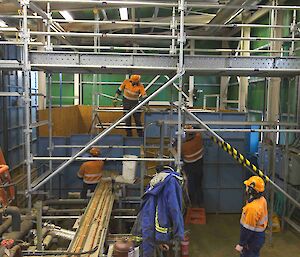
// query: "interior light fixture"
[[66, 15], [123, 13], [3, 24]]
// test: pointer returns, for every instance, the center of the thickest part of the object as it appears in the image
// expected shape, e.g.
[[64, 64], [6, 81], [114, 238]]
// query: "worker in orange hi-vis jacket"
[[91, 172], [254, 219], [192, 150], [132, 90]]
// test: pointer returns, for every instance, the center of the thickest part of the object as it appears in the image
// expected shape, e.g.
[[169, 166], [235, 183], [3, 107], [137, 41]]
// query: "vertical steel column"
[[173, 28], [50, 149], [273, 109], [60, 89], [161, 141], [95, 76], [181, 9], [48, 23], [294, 24], [297, 81], [38, 208], [26, 73], [286, 176]]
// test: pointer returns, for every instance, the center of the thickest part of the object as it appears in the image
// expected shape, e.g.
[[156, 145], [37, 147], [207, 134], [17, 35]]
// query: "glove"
[[115, 102]]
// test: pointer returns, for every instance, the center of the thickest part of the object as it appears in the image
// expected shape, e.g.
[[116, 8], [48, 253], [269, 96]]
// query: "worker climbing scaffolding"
[[132, 90]]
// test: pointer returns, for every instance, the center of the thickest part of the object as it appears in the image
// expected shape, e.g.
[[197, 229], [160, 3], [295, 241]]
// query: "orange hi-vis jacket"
[[132, 92], [192, 150], [91, 171], [255, 215]]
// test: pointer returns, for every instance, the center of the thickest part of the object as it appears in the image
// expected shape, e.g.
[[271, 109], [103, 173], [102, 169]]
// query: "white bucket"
[[129, 168]]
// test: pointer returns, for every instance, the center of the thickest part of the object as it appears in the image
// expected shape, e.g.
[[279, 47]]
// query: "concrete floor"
[[221, 233]]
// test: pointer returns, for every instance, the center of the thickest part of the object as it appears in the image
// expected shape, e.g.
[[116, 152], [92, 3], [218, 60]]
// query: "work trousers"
[[254, 245], [127, 106], [86, 187], [194, 174]]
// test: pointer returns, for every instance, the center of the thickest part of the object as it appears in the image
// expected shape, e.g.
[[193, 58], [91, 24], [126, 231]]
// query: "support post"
[[182, 38], [27, 100], [76, 89], [273, 104], [224, 83], [42, 90], [244, 82], [50, 143]]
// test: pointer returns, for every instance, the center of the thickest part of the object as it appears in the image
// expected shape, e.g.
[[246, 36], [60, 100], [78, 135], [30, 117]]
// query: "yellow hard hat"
[[95, 151], [256, 182], [135, 78]]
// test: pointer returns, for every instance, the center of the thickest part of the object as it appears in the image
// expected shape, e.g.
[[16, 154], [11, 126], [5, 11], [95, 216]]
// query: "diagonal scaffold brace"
[[238, 156], [102, 134]]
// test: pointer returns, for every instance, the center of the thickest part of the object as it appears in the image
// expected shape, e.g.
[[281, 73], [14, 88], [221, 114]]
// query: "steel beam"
[[201, 65]]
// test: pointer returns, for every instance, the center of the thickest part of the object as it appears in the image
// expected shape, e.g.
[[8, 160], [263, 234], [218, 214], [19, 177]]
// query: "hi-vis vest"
[[91, 171], [192, 150], [132, 92], [255, 215]]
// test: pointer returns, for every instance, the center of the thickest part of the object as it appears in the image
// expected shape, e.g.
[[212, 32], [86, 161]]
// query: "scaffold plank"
[[10, 65], [164, 64]]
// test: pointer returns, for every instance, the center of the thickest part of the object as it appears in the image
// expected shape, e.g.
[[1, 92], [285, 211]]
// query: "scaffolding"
[[171, 61]]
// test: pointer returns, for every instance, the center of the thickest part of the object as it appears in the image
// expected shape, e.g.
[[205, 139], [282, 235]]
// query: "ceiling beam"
[[105, 27]]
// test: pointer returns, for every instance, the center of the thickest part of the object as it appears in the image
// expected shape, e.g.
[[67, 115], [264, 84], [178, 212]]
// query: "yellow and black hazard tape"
[[240, 158]]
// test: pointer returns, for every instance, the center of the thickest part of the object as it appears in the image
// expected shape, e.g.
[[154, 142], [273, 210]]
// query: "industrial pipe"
[[172, 4], [62, 158], [15, 251], [15, 215], [106, 35], [26, 225], [228, 50], [5, 225], [65, 202]]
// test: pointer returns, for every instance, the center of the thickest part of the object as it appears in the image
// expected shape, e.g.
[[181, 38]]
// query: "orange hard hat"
[[135, 78], [256, 182], [95, 151], [188, 127]]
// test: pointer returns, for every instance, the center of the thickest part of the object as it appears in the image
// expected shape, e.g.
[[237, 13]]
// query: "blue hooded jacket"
[[161, 217]]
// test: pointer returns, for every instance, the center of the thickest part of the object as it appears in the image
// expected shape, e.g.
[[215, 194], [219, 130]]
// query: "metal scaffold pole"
[[26, 73], [181, 40], [49, 76]]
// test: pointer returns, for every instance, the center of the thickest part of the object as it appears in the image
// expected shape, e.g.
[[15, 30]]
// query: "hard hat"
[[135, 78], [188, 134], [95, 151], [188, 127], [256, 182]]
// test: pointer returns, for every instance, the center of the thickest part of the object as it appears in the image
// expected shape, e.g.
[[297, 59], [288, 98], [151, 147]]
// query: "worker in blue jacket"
[[161, 216]]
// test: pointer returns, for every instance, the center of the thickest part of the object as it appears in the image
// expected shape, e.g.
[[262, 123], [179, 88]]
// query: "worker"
[[133, 89], [254, 219], [192, 155], [91, 172], [160, 219]]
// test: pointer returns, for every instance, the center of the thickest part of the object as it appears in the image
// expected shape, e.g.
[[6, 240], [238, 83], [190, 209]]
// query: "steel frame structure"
[[175, 62]]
